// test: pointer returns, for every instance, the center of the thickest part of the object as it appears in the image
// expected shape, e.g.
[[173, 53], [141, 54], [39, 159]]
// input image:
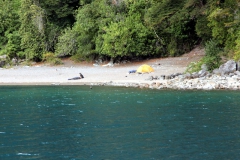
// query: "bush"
[[21, 55], [194, 66], [237, 55], [50, 58], [67, 43], [212, 58], [84, 57]]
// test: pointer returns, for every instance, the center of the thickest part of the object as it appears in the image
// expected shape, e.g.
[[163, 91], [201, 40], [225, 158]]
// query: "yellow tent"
[[145, 69]]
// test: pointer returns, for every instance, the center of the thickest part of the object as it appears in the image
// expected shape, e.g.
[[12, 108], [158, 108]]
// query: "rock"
[[204, 67], [135, 85], [2, 63], [209, 75], [238, 65], [181, 78], [110, 64], [235, 77], [207, 86], [155, 78], [153, 85], [158, 84], [177, 74], [172, 76], [3, 57], [3, 60], [202, 73], [100, 61], [14, 61], [188, 76], [150, 78], [145, 85], [231, 74], [162, 77], [216, 71], [228, 67], [195, 75], [167, 77], [237, 73]]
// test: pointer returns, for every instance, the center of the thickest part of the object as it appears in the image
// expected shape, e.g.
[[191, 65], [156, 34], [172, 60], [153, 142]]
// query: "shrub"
[[50, 58], [194, 66], [237, 55], [67, 44], [21, 55], [84, 57], [212, 58]]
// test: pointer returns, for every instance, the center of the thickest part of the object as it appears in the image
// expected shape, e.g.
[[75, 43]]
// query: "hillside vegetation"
[[119, 29]]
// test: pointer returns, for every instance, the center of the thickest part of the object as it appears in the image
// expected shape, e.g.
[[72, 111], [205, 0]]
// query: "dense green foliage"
[[211, 59], [89, 29]]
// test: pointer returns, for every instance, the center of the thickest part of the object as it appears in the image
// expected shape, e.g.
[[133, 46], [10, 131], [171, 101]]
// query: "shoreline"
[[215, 82], [117, 76], [168, 74]]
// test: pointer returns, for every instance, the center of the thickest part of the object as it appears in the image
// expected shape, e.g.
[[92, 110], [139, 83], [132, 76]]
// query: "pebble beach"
[[118, 74]]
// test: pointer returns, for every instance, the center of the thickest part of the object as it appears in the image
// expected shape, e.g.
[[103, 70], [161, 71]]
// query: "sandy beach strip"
[[47, 75], [42, 74], [113, 76]]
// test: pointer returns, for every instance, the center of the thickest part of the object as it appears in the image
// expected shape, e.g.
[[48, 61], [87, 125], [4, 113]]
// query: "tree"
[[60, 12], [67, 43], [212, 58], [128, 38], [173, 23], [224, 22], [32, 30], [90, 22], [87, 28], [9, 37]]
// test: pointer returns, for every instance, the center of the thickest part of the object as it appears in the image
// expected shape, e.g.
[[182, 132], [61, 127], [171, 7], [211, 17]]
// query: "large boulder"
[[228, 67]]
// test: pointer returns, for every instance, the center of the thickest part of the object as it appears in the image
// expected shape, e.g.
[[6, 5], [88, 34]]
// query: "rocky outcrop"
[[228, 67]]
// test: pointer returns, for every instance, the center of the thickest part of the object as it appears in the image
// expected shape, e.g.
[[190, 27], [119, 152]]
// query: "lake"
[[114, 123]]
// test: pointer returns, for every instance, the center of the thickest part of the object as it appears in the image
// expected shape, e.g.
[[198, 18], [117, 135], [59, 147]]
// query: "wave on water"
[[27, 154], [118, 123]]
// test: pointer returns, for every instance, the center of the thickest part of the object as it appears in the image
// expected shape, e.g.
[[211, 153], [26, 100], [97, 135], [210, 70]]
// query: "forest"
[[119, 29]]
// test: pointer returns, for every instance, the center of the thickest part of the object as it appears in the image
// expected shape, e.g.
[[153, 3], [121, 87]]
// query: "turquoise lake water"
[[115, 123]]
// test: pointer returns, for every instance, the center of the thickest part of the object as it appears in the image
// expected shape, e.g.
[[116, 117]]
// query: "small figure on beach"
[[76, 78]]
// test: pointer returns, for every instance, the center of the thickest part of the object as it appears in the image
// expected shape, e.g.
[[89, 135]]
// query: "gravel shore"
[[42, 74], [46, 75]]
